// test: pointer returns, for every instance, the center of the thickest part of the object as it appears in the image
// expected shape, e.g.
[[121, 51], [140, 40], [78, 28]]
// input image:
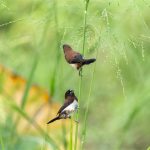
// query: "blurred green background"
[[32, 33]]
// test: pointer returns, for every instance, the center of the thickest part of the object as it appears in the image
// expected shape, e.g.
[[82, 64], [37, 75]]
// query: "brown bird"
[[70, 106], [75, 59]]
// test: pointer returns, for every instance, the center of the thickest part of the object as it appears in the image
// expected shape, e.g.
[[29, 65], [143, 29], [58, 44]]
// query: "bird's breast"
[[74, 65], [72, 107]]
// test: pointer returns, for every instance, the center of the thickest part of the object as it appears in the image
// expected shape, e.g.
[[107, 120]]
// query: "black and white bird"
[[69, 107]]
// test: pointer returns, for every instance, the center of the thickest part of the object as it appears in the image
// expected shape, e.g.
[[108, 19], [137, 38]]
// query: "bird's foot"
[[76, 121], [80, 72]]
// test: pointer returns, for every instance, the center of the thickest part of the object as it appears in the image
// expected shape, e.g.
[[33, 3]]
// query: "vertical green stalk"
[[80, 82], [71, 133], [77, 126], [85, 20], [44, 146], [2, 144], [87, 108], [64, 138]]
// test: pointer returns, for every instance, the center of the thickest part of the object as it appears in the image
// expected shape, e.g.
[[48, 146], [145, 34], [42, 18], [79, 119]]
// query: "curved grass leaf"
[[33, 123]]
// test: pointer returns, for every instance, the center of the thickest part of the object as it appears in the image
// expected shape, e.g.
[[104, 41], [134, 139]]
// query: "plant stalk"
[[80, 82]]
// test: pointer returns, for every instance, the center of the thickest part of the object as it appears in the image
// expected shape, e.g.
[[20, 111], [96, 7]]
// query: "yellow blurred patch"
[[39, 106]]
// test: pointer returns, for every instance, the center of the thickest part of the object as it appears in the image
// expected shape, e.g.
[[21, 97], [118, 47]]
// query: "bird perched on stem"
[[75, 59], [69, 107]]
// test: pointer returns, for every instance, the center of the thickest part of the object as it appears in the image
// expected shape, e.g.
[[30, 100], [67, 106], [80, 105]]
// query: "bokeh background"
[[32, 33]]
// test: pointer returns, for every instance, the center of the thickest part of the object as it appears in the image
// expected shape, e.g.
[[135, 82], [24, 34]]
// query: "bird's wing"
[[76, 98], [78, 58], [68, 101]]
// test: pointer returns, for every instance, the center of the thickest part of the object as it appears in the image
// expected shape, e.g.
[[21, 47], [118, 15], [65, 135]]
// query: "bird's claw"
[[80, 72], [76, 121]]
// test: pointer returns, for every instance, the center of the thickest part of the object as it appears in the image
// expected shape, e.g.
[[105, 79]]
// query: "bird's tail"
[[88, 61], [56, 118]]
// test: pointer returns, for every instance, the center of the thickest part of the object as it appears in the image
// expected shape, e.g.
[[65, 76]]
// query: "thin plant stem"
[[87, 108], [80, 82], [2, 144], [29, 82], [85, 22], [71, 133], [77, 126], [44, 146], [64, 138], [26, 92]]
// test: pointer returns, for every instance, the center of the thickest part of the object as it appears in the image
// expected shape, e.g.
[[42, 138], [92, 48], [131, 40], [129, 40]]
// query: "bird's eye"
[[71, 92]]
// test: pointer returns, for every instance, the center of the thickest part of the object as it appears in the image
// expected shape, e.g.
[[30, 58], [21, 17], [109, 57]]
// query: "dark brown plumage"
[[70, 105], [76, 59]]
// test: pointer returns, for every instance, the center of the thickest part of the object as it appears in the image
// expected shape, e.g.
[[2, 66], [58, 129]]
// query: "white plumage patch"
[[72, 107], [74, 65]]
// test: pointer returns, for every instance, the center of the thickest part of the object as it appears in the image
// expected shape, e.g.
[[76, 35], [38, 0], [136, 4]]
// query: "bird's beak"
[[64, 46], [71, 92]]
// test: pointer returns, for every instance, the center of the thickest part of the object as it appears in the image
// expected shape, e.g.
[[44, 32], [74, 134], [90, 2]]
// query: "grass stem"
[[2, 144], [80, 82], [71, 133], [77, 126], [34, 124], [87, 108], [64, 138], [29, 82]]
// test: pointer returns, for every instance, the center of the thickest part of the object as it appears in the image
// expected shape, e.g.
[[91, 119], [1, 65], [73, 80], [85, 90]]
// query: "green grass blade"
[[71, 133], [65, 143], [135, 111], [2, 144], [148, 148], [29, 81], [33, 123], [27, 89]]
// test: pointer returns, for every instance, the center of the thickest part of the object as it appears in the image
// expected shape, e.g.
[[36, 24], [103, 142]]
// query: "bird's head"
[[69, 93], [66, 47]]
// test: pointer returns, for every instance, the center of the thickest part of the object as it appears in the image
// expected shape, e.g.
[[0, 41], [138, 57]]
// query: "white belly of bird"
[[74, 65], [72, 107]]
